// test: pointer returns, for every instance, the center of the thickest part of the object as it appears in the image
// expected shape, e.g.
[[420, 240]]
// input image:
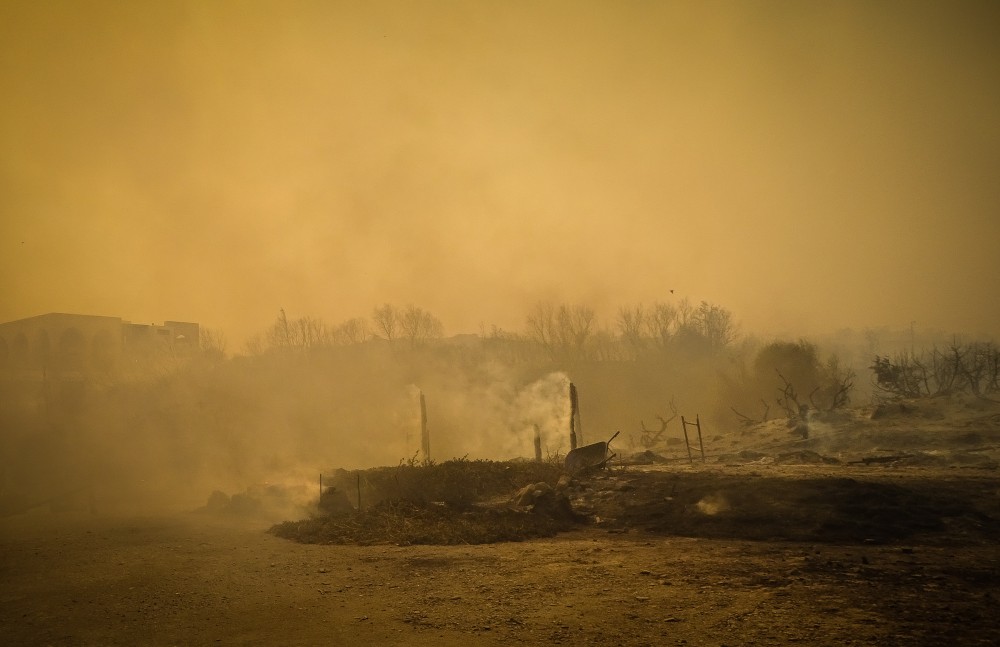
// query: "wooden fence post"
[[538, 445], [575, 434], [425, 434]]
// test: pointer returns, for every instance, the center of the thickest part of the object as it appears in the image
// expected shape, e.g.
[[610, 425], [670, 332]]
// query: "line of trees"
[[565, 332], [555, 332], [679, 345], [411, 324]]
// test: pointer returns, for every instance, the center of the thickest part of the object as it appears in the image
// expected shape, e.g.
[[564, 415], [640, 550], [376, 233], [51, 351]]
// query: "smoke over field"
[[285, 409], [829, 166]]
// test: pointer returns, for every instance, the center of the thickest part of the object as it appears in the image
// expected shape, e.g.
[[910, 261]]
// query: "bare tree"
[[212, 343], [299, 335], [606, 348], [632, 325], [541, 323], [747, 420], [575, 325], [280, 334], [650, 437], [353, 331], [795, 409], [419, 326], [386, 319], [255, 345], [836, 384], [313, 333], [685, 313], [662, 322], [564, 331], [715, 324], [964, 367]]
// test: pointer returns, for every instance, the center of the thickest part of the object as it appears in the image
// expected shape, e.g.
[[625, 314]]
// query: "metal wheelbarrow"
[[593, 456]]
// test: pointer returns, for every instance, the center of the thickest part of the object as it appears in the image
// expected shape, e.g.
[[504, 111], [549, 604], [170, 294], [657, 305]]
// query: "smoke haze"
[[810, 166]]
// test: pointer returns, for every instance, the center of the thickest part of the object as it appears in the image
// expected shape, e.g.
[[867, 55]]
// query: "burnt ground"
[[773, 540], [828, 504]]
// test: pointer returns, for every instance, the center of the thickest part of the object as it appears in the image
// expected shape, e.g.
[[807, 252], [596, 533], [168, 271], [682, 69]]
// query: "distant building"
[[58, 343]]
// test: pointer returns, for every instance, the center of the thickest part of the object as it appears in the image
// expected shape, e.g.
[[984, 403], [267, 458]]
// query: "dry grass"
[[444, 503], [457, 483], [405, 522]]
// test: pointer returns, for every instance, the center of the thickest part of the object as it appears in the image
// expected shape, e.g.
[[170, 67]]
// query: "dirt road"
[[190, 579]]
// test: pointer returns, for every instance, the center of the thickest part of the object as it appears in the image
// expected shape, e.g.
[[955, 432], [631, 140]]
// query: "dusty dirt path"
[[188, 579]]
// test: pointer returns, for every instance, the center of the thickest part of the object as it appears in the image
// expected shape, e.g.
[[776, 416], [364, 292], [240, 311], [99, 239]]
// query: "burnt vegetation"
[[454, 502], [960, 368], [303, 393]]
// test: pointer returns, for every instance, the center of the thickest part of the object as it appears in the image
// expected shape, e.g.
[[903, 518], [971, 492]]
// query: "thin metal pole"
[[687, 442], [697, 422]]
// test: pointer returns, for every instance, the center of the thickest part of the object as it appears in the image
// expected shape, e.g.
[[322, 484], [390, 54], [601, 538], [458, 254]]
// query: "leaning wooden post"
[[697, 424], [687, 443], [575, 433], [538, 444], [425, 435]]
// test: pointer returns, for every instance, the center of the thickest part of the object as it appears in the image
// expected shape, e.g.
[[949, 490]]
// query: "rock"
[[530, 494], [646, 458], [541, 498]]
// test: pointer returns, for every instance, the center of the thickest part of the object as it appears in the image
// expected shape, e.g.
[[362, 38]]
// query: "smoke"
[[492, 412], [712, 504], [800, 165], [545, 404], [172, 432], [173, 437]]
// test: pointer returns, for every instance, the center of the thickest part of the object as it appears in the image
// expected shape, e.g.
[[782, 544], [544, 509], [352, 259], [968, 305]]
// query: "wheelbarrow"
[[593, 456]]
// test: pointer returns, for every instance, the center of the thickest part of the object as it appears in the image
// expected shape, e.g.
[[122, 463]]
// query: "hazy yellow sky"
[[808, 165]]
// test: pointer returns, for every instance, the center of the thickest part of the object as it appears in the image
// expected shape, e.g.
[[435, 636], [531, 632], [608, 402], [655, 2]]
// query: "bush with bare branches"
[[961, 368]]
